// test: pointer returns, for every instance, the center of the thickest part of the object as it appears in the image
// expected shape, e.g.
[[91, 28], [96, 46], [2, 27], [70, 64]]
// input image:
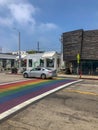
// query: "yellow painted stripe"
[[82, 92], [12, 87], [18, 86]]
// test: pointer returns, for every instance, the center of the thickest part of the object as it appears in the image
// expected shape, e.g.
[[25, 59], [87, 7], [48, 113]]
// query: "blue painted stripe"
[[31, 89]]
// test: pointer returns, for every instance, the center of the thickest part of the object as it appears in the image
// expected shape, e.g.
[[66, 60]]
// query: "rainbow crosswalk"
[[13, 94]]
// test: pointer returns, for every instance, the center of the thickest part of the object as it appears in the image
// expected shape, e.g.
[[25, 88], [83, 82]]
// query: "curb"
[[79, 77]]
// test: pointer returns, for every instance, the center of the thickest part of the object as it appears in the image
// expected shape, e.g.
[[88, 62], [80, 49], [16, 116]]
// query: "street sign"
[[78, 58]]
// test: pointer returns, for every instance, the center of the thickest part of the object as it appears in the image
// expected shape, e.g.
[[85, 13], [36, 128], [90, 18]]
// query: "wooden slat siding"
[[90, 45], [87, 47], [71, 44]]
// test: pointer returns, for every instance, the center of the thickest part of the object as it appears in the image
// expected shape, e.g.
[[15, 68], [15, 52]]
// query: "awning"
[[49, 54]]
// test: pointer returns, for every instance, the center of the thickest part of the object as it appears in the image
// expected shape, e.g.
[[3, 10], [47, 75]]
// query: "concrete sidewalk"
[[89, 77], [8, 77]]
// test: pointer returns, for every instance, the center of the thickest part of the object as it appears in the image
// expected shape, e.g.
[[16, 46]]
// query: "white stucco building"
[[7, 61], [49, 59]]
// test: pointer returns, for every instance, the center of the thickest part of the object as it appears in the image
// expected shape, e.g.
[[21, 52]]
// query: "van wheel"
[[43, 76], [25, 75]]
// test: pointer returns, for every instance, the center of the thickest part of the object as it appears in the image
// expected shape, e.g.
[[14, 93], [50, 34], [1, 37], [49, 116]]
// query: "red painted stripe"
[[5, 86]]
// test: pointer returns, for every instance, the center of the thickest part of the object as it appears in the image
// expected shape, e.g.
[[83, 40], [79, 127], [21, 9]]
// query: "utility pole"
[[19, 52], [38, 46], [19, 49]]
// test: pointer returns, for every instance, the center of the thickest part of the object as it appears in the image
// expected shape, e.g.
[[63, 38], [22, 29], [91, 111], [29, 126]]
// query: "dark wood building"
[[84, 43], [90, 45]]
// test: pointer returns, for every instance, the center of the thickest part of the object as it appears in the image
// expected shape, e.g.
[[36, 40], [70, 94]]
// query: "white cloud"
[[3, 2], [22, 13], [6, 2], [6, 21], [47, 26], [17, 12]]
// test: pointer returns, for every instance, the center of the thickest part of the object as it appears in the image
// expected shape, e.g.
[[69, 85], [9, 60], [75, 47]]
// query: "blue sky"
[[43, 21]]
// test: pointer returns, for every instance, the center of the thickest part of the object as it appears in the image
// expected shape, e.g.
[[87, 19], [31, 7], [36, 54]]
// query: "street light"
[[19, 53]]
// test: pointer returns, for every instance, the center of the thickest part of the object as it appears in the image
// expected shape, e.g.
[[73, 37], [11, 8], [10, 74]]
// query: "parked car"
[[40, 72]]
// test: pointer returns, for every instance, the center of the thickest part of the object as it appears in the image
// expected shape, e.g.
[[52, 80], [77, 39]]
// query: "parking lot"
[[72, 108]]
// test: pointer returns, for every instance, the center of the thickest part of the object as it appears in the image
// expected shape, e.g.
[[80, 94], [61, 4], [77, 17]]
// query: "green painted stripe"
[[24, 88]]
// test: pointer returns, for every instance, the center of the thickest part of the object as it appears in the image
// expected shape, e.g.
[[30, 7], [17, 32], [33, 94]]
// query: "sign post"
[[78, 62], [78, 58]]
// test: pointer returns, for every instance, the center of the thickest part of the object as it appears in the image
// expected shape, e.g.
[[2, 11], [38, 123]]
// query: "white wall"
[[36, 60]]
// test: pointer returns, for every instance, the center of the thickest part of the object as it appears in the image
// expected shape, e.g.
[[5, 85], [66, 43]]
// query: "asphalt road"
[[73, 108]]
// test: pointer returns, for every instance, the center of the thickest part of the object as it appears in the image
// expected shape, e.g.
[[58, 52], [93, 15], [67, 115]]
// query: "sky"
[[43, 22]]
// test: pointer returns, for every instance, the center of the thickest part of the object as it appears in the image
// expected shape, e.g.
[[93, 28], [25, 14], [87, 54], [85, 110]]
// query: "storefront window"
[[30, 62], [87, 67], [50, 62], [41, 62], [58, 62], [90, 67]]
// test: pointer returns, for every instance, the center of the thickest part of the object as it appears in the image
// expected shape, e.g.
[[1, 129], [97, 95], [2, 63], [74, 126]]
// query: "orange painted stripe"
[[22, 84]]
